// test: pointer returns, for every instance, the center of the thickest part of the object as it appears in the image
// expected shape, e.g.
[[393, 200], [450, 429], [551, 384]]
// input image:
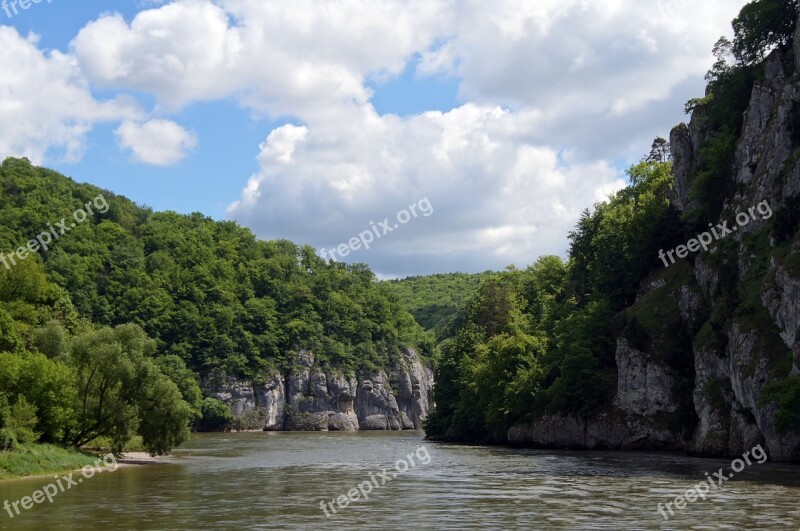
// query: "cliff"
[[707, 357], [310, 398]]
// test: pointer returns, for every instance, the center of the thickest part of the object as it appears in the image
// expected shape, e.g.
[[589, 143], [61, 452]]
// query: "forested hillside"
[[628, 345], [542, 339], [124, 312], [437, 301]]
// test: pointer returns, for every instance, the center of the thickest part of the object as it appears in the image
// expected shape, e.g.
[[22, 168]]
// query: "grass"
[[41, 459], [102, 444]]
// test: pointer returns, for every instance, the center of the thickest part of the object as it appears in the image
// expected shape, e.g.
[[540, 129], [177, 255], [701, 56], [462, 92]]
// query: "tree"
[[763, 25], [659, 151], [175, 369], [216, 415], [121, 392], [17, 423], [723, 52]]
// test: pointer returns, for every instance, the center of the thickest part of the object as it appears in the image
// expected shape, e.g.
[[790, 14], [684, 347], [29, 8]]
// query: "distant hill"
[[435, 301]]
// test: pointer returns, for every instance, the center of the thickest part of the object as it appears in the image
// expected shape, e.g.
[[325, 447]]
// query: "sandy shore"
[[141, 458], [129, 459]]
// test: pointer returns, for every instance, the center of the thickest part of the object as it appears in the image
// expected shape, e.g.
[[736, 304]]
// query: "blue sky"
[[311, 119], [212, 178]]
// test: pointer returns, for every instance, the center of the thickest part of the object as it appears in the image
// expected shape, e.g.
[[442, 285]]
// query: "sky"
[[322, 120]]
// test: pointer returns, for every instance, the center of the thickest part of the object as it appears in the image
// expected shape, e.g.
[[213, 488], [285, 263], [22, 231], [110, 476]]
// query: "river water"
[[277, 481]]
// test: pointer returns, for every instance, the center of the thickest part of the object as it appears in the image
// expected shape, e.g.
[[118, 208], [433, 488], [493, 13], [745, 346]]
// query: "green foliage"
[[164, 416], [763, 25], [51, 340], [435, 301], [22, 421], [786, 395], [541, 340], [122, 392], [614, 247], [175, 369], [106, 334], [206, 291], [216, 415], [41, 459], [578, 388], [17, 423], [47, 385]]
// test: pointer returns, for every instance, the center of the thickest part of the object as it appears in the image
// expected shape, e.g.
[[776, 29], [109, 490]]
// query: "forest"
[[542, 340], [112, 331]]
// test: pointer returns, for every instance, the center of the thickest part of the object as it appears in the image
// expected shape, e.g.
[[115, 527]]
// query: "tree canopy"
[[541, 339], [124, 316], [763, 25]]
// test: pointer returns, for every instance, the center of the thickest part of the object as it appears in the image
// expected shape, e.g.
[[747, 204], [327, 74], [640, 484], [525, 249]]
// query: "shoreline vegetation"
[[30, 461]]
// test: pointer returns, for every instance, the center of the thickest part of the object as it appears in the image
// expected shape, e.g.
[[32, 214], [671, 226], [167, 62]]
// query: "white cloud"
[[284, 58], [558, 88], [497, 199], [552, 92], [588, 67], [46, 105], [157, 142], [181, 52]]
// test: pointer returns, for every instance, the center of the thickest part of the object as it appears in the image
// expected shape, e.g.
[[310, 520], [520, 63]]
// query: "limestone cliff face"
[[310, 398], [730, 378], [717, 371]]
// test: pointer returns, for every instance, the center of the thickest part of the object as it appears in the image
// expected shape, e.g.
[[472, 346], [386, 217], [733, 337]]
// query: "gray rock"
[[682, 163], [643, 388], [312, 399], [608, 431], [782, 299], [797, 47]]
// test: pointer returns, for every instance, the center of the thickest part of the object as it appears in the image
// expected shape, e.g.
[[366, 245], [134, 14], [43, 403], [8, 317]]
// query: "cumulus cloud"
[[497, 199], [181, 52], [157, 142], [588, 67], [47, 105], [283, 58], [551, 92], [560, 87]]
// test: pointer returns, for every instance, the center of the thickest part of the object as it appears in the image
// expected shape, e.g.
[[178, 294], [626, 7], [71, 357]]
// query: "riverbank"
[[35, 460], [41, 459]]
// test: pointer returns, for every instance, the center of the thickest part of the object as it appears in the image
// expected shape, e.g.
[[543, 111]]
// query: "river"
[[278, 480]]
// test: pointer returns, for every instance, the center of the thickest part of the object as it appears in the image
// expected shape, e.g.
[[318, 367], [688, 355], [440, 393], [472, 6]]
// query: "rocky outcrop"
[[607, 431], [638, 418], [730, 377], [685, 144], [782, 299], [644, 387], [737, 305], [312, 398], [797, 46]]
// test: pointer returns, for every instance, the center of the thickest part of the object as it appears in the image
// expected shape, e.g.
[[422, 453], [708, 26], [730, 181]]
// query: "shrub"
[[216, 416]]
